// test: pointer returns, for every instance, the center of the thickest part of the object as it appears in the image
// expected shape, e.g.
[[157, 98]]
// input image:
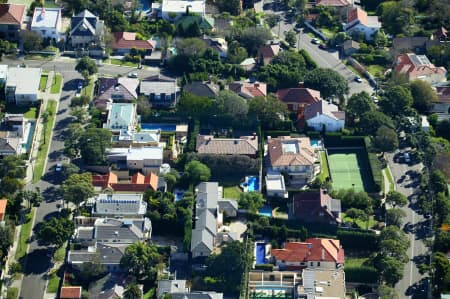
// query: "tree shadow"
[[72, 84], [37, 262]]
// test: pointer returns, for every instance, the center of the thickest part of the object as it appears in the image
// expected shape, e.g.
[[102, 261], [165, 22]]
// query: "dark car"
[[323, 47]]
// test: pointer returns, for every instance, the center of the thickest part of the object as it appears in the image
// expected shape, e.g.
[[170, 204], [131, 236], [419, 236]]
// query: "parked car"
[[315, 41], [79, 88], [132, 75], [358, 79], [323, 47], [406, 157], [58, 167]]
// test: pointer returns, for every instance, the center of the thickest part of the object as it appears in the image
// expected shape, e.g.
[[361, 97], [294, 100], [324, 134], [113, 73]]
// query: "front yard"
[[361, 224], [122, 63], [88, 90], [28, 112]]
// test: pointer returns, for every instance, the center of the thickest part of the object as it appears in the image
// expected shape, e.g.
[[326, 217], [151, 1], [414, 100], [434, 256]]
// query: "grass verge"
[[232, 192], [43, 82], [56, 84], [325, 170], [388, 174], [53, 283], [88, 89], [122, 63], [44, 142], [13, 293], [59, 254], [25, 232]]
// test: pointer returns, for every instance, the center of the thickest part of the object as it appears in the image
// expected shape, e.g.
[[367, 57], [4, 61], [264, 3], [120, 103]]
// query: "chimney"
[[253, 136], [257, 84], [323, 254], [301, 85]]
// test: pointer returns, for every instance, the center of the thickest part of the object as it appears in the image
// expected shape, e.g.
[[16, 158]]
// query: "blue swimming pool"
[[260, 253], [30, 135], [315, 142], [162, 127], [252, 183], [179, 195], [265, 211]]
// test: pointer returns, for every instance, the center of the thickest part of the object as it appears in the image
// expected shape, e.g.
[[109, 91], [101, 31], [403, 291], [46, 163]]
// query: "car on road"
[[323, 47], [58, 167], [409, 228], [315, 41], [132, 75], [358, 79], [79, 88], [406, 157], [427, 215]]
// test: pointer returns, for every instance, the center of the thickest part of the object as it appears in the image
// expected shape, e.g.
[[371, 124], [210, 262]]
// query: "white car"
[[358, 79], [58, 167], [315, 41], [132, 75]]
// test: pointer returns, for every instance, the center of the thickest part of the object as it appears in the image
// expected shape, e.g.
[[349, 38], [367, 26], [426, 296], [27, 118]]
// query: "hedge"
[[358, 240], [310, 63], [369, 59], [264, 267], [336, 139], [274, 134], [193, 136], [363, 274], [376, 170]]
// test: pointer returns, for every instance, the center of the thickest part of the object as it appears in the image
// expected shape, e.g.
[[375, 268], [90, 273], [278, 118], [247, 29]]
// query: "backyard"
[[350, 169], [232, 192], [362, 224]]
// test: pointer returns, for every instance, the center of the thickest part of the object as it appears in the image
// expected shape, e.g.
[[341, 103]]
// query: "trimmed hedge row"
[[310, 63], [376, 170], [363, 274], [273, 133], [336, 139], [264, 267], [357, 240], [193, 136], [371, 59]]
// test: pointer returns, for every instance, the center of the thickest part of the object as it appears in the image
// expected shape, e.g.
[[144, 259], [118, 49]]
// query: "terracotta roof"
[[309, 204], [357, 14], [249, 90], [287, 151], [415, 66], [3, 203], [244, 145], [298, 95], [443, 93], [323, 108], [269, 51], [333, 3], [11, 13], [313, 249], [138, 183], [70, 292], [127, 40]]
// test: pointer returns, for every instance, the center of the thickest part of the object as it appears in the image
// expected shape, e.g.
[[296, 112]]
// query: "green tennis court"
[[350, 169]]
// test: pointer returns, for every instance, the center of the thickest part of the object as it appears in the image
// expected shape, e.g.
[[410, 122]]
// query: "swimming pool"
[[265, 211], [252, 183], [162, 127], [315, 142], [260, 253], [30, 135], [179, 195]]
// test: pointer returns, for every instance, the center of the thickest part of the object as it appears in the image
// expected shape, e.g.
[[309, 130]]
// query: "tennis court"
[[350, 169]]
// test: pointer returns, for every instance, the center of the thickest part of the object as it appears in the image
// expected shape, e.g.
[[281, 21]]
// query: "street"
[[407, 182], [37, 263], [323, 58]]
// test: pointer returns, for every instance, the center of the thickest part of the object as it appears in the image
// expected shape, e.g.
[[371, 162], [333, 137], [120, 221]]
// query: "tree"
[[190, 47], [397, 100], [359, 103], [93, 144], [353, 199], [140, 260], [132, 292], [380, 39], [31, 40], [12, 166], [171, 179], [32, 198], [77, 188], [395, 217], [251, 201], [85, 64], [386, 292], [397, 17], [92, 270], [232, 104], [80, 114], [290, 37], [438, 181], [329, 82], [252, 38], [272, 20], [56, 231], [391, 270], [423, 95], [386, 139], [6, 239], [356, 214], [68, 169], [236, 54], [196, 172], [443, 129], [441, 273], [396, 199], [192, 30], [268, 110], [71, 141], [372, 120], [194, 106]]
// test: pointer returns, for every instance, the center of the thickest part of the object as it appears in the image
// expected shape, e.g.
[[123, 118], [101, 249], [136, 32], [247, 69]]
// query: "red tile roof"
[[127, 40], [138, 183], [11, 14], [357, 14], [415, 66], [280, 153], [298, 95], [247, 89], [313, 249], [3, 203], [70, 293], [333, 3], [269, 51]]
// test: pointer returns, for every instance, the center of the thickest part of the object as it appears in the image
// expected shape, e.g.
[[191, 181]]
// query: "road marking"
[[412, 251]]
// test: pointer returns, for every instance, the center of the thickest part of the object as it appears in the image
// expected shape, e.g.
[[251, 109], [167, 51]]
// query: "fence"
[[316, 31], [372, 80]]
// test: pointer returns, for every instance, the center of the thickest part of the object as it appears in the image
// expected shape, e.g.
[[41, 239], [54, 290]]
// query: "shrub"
[[310, 63], [363, 274], [336, 139], [357, 240], [376, 170], [193, 135], [264, 267]]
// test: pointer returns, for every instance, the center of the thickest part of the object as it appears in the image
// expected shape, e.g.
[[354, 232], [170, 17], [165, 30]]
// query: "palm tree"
[[132, 292]]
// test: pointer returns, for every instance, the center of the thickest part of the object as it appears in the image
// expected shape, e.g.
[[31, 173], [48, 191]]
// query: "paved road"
[[323, 58], [410, 286], [37, 264]]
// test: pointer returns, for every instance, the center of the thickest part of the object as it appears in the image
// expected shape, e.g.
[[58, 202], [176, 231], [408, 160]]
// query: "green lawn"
[[56, 84], [324, 168], [28, 112], [355, 261], [59, 254], [355, 71], [350, 169], [361, 224], [376, 70], [43, 82], [25, 232], [122, 63], [88, 89], [13, 293], [53, 283], [232, 192], [149, 294], [328, 33], [388, 173], [44, 142]]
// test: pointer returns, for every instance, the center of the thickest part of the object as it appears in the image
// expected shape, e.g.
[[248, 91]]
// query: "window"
[[312, 264], [318, 264]]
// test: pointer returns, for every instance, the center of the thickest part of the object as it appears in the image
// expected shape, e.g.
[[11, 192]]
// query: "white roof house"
[[22, 85], [120, 204], [147, 158], [3, 72], [121, 117], [47, 22], [275, 185], [326, 115], [173, 9]]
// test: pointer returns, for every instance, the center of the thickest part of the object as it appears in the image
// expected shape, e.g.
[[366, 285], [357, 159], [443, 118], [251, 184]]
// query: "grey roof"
[[334, 205], [106, 254], [6, 147], [203, 89], [206, 220], [84, 24], [85, 233], [121, 230], [120, 204], [227, 204], [202, 236], [197, 295], [350, 44], [207, 194], [26, 80], [324, 108], [166, 286], [158, 87]]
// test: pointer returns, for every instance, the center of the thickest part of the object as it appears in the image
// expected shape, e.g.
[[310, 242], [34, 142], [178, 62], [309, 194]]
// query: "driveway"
[[407, 182]]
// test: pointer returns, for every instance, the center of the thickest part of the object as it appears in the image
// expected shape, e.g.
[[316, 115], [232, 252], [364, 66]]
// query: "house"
[[267, 52], [11, 18], [249, 90], [137, 139], [86, 29], [244, 145], [321, 283], [207, 89], [350, 47], [416, 44], [324, 115], [419, 67], [442, 106], [161, 91], [177, 289], [138, 183], [3, 204], [115, 90], [123, 42], [275, 186], [70, 293], [248, 64], [217, 44], [119, 204], [313, 253], [47, 23], [358, 22], [146, 159], [22, 85], [122, 117], [171, 10], [205, 23], [295, 156], [209, 209], [441, 34], [298, 98], [341, 6], [316, 206], [15, 132]]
